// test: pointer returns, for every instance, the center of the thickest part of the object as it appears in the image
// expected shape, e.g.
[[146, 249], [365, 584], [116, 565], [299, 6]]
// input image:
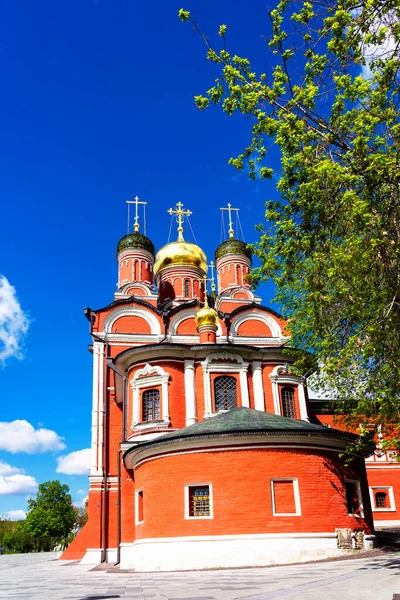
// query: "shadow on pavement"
[[102, 597]]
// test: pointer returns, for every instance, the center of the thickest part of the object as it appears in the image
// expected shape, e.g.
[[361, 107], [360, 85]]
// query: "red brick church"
[[206, 450]]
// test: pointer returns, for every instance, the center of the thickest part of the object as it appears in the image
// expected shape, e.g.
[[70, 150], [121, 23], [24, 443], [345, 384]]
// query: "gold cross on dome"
[[230, 209], [212, 267], [180, 213], [136, 202]]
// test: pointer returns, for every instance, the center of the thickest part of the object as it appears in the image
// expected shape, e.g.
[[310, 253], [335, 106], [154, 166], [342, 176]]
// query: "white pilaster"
[[275, 395], [302, 403], [258, 386], [165, 400], [244, 388], [190, 392], [97, 410], [207, 390]]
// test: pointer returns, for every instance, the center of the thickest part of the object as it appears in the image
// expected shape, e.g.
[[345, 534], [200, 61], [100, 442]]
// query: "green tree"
[[51, 515], [16, 540], [329, 101]]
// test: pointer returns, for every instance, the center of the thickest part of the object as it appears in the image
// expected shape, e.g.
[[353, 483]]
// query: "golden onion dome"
[[206, 316], [180, 253]]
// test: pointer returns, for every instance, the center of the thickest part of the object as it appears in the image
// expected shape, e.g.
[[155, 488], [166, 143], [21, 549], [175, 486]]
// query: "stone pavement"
[[43, 577]]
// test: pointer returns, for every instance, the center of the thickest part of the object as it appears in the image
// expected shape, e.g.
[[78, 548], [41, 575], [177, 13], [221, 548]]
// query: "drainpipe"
[[119, 529], [124, 377], [164, 315], [227, 322]]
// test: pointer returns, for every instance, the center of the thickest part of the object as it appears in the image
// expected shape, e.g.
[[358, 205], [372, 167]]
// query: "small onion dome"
[[136, 240], [180, 253], [232, 246], [206, 316]]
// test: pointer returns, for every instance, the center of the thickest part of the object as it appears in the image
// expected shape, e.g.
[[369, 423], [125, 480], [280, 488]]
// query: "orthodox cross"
[[230, 209], [136, 202], [212, 267], [180, 213]]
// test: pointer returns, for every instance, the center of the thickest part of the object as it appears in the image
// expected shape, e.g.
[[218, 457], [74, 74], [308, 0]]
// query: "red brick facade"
[[253, 490]]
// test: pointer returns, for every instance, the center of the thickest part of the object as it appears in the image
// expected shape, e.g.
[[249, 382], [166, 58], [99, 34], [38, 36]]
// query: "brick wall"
[[242, 492]]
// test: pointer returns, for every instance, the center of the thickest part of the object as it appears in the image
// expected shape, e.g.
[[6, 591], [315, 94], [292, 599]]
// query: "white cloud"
[[6, 469], [386, 48], [15, 515], [74, 463], [81, 492], [14, 323], [13, 481], [21, 436], [81, 503]]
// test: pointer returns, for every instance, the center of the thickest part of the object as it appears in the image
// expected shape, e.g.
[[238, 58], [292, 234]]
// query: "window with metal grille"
[[151, 405], [381, 500], [225, 393], [187, 288], [199, 501], [288, 406]]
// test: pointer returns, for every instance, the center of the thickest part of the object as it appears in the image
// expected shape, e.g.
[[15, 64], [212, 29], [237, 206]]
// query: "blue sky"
[[97, 106]]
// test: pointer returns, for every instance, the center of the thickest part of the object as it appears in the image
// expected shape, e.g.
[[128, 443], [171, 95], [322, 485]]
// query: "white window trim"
[[389, 489], [224, 368], [186, 501], [296, 491], [360, 498], [137, 522], [280, 376], [149, 377]]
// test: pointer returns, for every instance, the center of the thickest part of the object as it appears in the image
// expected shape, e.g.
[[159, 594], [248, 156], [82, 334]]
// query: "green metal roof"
[[248, 420]]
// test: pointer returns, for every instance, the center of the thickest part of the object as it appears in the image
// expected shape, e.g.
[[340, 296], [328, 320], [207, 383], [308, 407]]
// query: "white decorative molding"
[[149, 376], [389, 490], [227, 363], [258, 389], [296, 494], [187, 501], [131, 311], [190, 392], [223, 356], [96, 462], [264, 317], [148, 292], [188, 313], [280, 375]]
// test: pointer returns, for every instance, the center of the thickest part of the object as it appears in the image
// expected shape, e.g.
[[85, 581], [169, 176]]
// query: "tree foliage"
[[329, 100], [51, 515]]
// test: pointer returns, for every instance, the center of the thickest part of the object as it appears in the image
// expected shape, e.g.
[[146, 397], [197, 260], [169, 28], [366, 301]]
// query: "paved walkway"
[[43, 577]]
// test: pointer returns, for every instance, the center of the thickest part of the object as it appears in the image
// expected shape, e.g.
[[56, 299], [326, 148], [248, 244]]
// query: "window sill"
[[144, 425]]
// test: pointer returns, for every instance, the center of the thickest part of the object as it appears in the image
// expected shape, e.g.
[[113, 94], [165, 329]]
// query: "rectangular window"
[[288, 403], [151, 405], [382, 498], [198, 501], [353, 498], [285, 497], [139, 507]]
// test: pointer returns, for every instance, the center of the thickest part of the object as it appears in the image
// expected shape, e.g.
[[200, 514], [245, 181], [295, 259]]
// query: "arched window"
[[288, 406], [151, 405], [187, 288], [225, 393], [381, 500]]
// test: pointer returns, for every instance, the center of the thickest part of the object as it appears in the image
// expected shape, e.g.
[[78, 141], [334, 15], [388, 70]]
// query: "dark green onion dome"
[[136, 240], [232, 246]]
